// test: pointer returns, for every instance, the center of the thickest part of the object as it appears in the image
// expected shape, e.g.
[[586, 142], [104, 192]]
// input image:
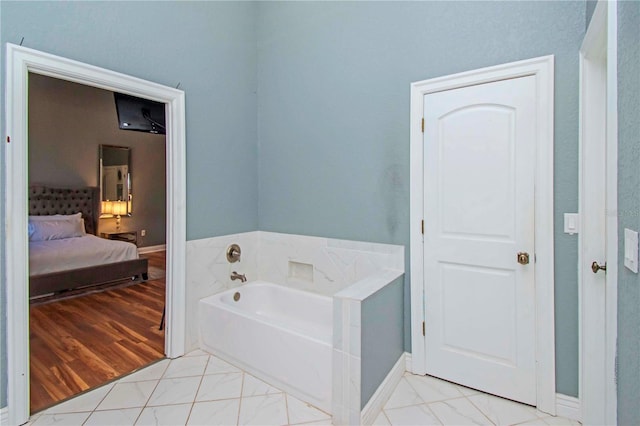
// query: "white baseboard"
[[151, 249], [408, 362], [569, 407], [4, 416], [382, 394]]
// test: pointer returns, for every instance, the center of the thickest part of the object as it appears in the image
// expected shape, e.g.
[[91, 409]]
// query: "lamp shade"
[[119, 208], [107, 207], [116, 208]]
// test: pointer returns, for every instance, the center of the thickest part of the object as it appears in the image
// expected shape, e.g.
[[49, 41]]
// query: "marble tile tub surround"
[[336, 265], [209, 272]]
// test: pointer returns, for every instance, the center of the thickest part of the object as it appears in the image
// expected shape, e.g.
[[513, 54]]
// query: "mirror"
[[115, 179]]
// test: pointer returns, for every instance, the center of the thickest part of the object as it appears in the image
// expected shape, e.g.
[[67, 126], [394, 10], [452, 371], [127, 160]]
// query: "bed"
[[64, 253]]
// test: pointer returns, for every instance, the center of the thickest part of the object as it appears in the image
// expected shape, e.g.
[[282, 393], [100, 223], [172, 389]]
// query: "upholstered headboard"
[[44, 200]]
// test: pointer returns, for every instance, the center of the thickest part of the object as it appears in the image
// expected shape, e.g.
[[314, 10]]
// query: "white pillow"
[[43, 230]]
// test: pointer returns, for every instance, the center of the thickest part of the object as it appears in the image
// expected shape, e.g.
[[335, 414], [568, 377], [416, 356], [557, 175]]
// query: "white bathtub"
[[281, 335]]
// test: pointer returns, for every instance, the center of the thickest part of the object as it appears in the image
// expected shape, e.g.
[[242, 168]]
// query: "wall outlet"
[[143, 233]]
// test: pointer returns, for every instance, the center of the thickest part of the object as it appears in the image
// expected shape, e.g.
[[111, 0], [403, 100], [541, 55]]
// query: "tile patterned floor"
[[200, 389]]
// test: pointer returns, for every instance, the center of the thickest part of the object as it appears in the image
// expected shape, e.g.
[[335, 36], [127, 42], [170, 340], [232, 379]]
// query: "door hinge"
[[423, 329], [423, 125], [8, 139], [423, 227]]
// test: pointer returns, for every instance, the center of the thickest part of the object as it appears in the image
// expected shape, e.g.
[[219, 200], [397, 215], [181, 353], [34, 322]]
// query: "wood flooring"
[[83, 341]]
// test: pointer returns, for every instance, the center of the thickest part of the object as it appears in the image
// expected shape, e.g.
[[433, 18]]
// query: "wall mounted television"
[[140, 115]]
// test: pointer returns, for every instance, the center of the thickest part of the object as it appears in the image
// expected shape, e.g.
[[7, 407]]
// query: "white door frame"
[[20, 62], [598, 153], [542, 68]]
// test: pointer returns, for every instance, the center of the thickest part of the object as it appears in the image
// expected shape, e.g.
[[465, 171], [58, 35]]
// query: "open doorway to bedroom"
[[85, 335]]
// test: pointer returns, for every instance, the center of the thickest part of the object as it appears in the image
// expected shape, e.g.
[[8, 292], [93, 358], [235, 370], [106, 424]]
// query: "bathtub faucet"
[[237, 276]]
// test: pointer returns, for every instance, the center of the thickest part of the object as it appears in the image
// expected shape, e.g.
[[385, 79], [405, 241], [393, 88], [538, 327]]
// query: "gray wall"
[[207, 47], [628, 362], [333, 117], [381, 336], [67, 124]]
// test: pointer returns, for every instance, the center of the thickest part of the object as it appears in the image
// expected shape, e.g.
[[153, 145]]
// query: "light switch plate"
[[631, 250], [571, 223]]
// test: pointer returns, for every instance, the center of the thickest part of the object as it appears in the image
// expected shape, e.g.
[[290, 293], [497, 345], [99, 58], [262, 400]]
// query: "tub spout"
[[237, 276]]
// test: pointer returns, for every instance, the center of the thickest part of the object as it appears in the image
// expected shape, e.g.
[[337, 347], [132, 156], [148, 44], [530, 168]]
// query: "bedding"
[[54, 255], [55, 229], [63, 246]]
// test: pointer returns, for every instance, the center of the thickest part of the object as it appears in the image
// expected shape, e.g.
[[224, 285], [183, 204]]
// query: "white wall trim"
[[384, 391], [4, 416], [152, 249], [543, 69], [408, 361], [21, 61], [569, 407]]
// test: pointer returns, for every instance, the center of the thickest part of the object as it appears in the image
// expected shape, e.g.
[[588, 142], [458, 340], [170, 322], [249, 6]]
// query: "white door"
[[479, 163], [598, 241]]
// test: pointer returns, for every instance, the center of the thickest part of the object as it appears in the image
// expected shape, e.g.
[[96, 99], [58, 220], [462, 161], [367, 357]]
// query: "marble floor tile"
[[152, 372], [535, 422], [467, 391], [168, 415], [560, 421], [503, 411], [186, 367], [381, 420], [221, 394], [458, 412], [178, 390], [263, 410], [252, 386], [68, 419], [215, 413], [301, 412], [403, 396], [412, 415], [220, 386], [431, 389], [197, 352], [86, 402], [123, 417], [217, 366], [128, 395]]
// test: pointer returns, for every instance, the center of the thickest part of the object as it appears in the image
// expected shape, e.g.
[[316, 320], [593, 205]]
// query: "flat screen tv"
[[140, 115]]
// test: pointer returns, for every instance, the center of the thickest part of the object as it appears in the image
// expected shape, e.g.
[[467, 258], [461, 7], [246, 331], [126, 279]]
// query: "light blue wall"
[[333, 117], [589, 9], [381, 336], [207, 47], [333, 106], [628, 362]]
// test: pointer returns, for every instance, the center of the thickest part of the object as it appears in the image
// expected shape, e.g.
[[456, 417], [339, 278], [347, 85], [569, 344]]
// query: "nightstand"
[[128, 236]]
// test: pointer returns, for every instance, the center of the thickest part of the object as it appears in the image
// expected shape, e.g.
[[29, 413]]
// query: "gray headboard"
[[44, 200]]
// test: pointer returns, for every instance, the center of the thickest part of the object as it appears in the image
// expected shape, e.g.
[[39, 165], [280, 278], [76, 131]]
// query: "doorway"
[[534, 249], [21, 61], [82, 337]]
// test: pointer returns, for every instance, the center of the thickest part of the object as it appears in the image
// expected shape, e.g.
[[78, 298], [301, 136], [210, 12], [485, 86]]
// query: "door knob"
[[523, 258], [595, 267]]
